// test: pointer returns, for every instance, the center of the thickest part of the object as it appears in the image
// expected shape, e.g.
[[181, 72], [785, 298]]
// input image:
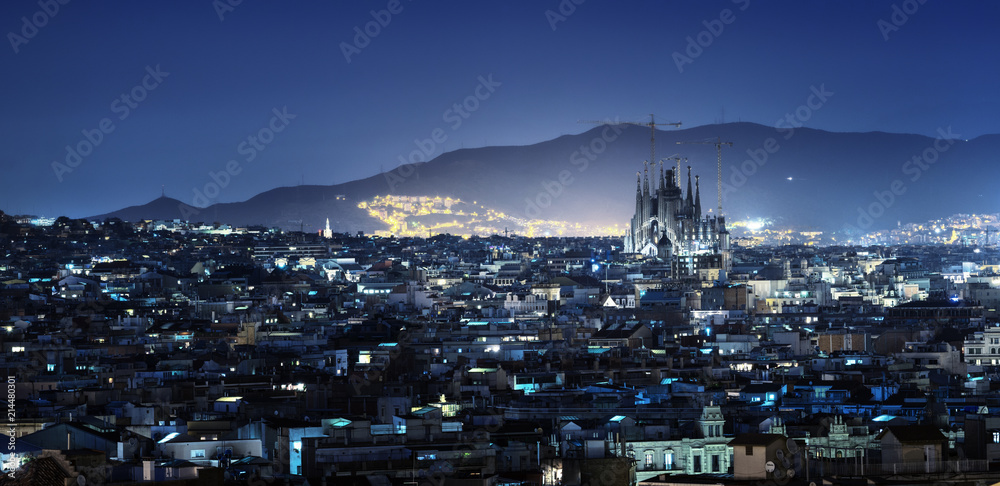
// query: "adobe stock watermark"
[[785, 126], [714, 28], [914, 168], [123, 106], [455, 117], [281, 456], [363, 36], [223, 7], [790, 467], [249, 149], [30, 25], [899, 16], [580, 159], [610, 474], [562, 12]]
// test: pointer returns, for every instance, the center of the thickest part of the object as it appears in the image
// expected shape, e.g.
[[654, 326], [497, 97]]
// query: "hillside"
[[810, 179]]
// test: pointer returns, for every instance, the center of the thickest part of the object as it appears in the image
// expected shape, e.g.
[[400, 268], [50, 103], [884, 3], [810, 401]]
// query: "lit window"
[[198, 454]]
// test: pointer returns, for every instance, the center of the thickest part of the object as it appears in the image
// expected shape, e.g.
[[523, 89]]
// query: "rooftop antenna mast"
[[652, 124], [718, 147]]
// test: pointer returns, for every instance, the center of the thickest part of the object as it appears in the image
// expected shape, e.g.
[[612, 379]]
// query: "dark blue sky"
[[606, 59]]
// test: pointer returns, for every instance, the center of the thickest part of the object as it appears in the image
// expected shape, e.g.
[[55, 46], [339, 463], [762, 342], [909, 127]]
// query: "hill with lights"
[[809, 180]]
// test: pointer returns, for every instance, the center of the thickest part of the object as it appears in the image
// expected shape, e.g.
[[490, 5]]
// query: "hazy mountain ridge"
[[833, 174]]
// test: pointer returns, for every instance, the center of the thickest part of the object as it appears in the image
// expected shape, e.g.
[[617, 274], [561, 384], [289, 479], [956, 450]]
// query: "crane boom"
[[652, 130], [718, 147]]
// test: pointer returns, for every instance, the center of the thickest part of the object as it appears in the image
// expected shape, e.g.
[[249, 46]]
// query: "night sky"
[[199, 78]]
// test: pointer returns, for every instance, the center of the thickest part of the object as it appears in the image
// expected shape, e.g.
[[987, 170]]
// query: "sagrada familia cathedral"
[[669, 225]]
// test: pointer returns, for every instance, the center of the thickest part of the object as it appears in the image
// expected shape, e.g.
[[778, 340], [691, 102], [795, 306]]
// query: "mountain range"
[[799, 178]]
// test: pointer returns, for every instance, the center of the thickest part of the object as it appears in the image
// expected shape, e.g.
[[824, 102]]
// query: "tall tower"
[[327, 233], [632, 239], [697, 198], [712, 421], [690, 194], [663, 182], [645, 201]]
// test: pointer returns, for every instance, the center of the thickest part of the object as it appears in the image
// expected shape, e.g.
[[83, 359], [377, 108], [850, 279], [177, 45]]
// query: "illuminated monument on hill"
[[669, 226]]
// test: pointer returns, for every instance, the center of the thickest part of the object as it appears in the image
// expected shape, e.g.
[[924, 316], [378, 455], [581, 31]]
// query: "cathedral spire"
[[663, 182], [327, 232], [697, 198], [690, 193], [645, 179]]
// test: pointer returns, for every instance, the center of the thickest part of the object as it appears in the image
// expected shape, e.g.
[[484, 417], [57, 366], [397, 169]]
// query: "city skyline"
[[566, 242]]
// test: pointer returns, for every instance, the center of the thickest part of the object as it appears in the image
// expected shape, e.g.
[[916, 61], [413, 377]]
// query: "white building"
[[982, 348], [706, 453]]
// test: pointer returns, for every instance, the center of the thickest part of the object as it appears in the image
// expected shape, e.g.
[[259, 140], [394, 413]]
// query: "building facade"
[[669, 225]]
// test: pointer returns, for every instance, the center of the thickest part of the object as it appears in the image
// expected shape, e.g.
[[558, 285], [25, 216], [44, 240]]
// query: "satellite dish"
[[132, 441], [769, 466], [790, 473], [780, 454], [81, 481]]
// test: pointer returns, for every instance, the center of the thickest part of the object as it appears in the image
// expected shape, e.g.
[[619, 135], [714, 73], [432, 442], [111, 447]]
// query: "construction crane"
[[652, 130], [677, 159], [718, 147]]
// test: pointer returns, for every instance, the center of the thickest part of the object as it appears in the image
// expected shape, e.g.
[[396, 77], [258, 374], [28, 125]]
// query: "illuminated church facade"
[[668, 225]]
